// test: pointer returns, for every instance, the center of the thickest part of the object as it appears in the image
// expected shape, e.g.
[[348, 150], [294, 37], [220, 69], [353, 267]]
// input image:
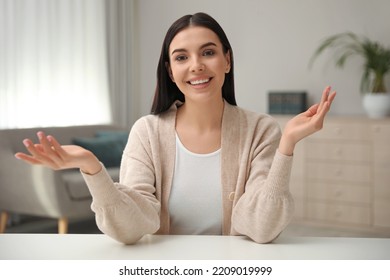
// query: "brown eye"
[[208, 53], [180, 58]]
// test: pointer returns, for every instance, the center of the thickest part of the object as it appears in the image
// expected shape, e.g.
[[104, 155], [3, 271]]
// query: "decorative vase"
[[377, 105]]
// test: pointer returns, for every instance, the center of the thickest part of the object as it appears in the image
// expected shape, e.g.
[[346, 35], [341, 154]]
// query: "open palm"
[[48, 152], [306, 123]]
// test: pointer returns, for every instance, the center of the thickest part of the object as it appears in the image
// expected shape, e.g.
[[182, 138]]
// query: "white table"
[[180, 247]]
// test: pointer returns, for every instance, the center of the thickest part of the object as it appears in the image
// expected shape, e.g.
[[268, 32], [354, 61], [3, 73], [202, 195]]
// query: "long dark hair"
[[166, 90]]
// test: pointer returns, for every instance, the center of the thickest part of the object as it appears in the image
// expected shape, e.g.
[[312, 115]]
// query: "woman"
[[198, 164]]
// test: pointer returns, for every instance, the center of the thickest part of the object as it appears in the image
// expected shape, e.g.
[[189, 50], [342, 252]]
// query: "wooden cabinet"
[[381, 173], [341, 175]]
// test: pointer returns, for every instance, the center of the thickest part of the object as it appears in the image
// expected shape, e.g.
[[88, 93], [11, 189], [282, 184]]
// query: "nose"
[[197, 65]]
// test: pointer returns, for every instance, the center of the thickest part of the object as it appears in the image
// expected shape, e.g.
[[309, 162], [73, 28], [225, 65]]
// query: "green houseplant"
[[375, 68]]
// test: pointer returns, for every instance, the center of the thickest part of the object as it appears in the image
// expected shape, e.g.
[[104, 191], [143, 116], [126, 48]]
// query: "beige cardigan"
[[255, 176]]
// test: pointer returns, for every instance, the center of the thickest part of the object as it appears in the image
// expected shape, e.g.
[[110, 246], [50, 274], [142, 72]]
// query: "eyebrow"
[[201, 47]]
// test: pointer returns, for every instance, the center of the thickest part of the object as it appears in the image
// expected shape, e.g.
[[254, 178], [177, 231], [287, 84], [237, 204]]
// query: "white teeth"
[[198, 82]]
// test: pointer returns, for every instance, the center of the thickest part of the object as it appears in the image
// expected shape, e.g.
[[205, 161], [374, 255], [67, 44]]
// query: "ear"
[[168, 67], [228, 64]]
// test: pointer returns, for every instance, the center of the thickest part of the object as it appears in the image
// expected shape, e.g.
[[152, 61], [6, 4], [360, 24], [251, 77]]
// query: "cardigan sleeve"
[[127, 210], [266, 207]]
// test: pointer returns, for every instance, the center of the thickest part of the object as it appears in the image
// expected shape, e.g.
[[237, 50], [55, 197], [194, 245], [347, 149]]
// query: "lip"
[[199, 81]]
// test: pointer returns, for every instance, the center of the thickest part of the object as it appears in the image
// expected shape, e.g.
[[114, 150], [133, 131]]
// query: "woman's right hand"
[[48, 152]]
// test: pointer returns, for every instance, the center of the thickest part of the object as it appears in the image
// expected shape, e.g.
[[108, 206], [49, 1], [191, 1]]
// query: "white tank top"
[[195, 203]]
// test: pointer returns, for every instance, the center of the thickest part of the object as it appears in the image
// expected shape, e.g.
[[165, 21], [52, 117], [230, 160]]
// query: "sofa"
[[40, 191]]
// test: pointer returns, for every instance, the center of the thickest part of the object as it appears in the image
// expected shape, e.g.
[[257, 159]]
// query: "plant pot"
[[377, 105]]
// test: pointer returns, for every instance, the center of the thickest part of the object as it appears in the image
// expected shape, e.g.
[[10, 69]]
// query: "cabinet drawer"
[[381, 131], [298, 168], [299, 209], [345, 131], [353, 173], [360, 152], [382, 214], [347, 214], [382, 153], [381, 164], [297, 187], [382, 192], [339, 192]]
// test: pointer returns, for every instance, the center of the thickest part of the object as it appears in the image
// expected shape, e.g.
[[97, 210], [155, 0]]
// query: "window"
[[53, 63]]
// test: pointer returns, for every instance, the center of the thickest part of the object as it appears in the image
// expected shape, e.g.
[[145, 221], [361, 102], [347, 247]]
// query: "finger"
[[27, 158], [45, 143], [48, 149], [331, 97], [56, 146], [328, 103], [312, 110], [320, 117], [37, 152], [324, 97], [32, 149]]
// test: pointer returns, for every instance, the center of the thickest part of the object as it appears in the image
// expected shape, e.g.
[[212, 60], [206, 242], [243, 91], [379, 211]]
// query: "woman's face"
[[198, 64]]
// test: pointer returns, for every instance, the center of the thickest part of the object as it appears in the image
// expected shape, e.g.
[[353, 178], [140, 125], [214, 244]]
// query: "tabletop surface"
[[195, 247]]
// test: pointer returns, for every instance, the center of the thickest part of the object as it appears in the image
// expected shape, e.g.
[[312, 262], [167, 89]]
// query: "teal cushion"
[[107, 147], [121, 136]]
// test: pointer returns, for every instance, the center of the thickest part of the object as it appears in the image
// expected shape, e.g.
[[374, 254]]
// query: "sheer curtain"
[[122, 60], [53, 63]]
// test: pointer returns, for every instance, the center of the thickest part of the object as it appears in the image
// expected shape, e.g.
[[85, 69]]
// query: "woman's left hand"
[[306, 123]]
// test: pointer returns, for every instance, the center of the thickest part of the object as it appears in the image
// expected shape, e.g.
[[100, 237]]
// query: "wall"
[[272, 43]]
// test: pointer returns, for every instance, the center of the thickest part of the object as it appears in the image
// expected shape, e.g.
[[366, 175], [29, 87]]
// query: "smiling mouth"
[[199, 82]]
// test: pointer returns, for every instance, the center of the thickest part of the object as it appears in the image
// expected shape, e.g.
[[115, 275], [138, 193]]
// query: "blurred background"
[[86, 62]]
